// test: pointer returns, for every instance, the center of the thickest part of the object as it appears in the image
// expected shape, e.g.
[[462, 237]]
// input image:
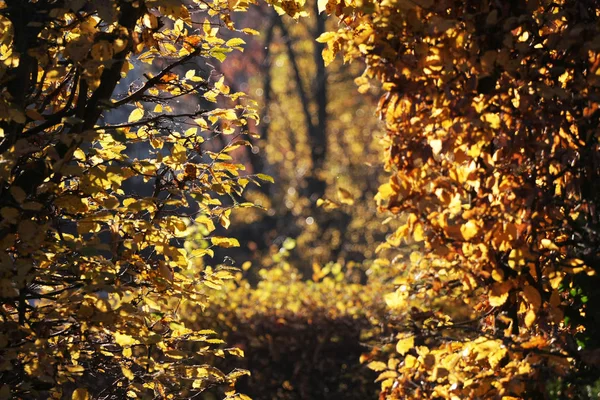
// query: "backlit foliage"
[[118, 177], [93, 264], [491, 110]]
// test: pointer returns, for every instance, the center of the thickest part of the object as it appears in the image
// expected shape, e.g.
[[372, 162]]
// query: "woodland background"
[[299, 200]]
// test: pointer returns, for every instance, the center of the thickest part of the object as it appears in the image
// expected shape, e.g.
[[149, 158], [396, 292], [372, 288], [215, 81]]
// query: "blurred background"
[[305, 306], [318, 140]]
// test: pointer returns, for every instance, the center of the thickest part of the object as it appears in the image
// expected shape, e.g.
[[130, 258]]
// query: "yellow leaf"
[[80, 394], [530, 317], [326, 37], [377, 366], [492, 119], [265, 177], [345, 197], [385, 191], [387, 375], [469, 230], [516, 259], [191, 132], [418, 233], [405, 344], [436, 146], [548, 244], [176, 354], [75, 369], [250, 31], [224, 242], [123, 339], [396, 300], [410, 361], [179, 154], [211, 285], [327, 204], [211, 96], [328, 56], [127, 373], [136, 115], [235, 42]]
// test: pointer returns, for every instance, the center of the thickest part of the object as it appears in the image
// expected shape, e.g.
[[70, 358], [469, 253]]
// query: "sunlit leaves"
[[481, 184], [111, 194]]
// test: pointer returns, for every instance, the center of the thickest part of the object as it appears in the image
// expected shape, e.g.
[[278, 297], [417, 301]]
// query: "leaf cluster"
[[492, 148], [115, 142]]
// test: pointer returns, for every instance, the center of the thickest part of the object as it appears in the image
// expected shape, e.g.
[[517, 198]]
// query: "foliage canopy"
[[492, 118], [118, 175], [103, 180]]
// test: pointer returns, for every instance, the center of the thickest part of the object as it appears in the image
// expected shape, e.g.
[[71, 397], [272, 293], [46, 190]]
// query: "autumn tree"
[[93, 274], [491, 111]]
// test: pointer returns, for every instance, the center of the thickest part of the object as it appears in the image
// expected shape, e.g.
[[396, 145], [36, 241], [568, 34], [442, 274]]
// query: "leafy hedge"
[[302, 339]]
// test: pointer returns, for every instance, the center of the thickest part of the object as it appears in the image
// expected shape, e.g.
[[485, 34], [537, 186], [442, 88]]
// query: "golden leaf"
[[136, 115], [127, 373], [436, 146], [224, 242], [410, 361], [405, 344], [377, 366], [80, 394], [235, 42], [469, 230], [328, 56], [265, 177], [530, 317], [418, 233], [123, 339]]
